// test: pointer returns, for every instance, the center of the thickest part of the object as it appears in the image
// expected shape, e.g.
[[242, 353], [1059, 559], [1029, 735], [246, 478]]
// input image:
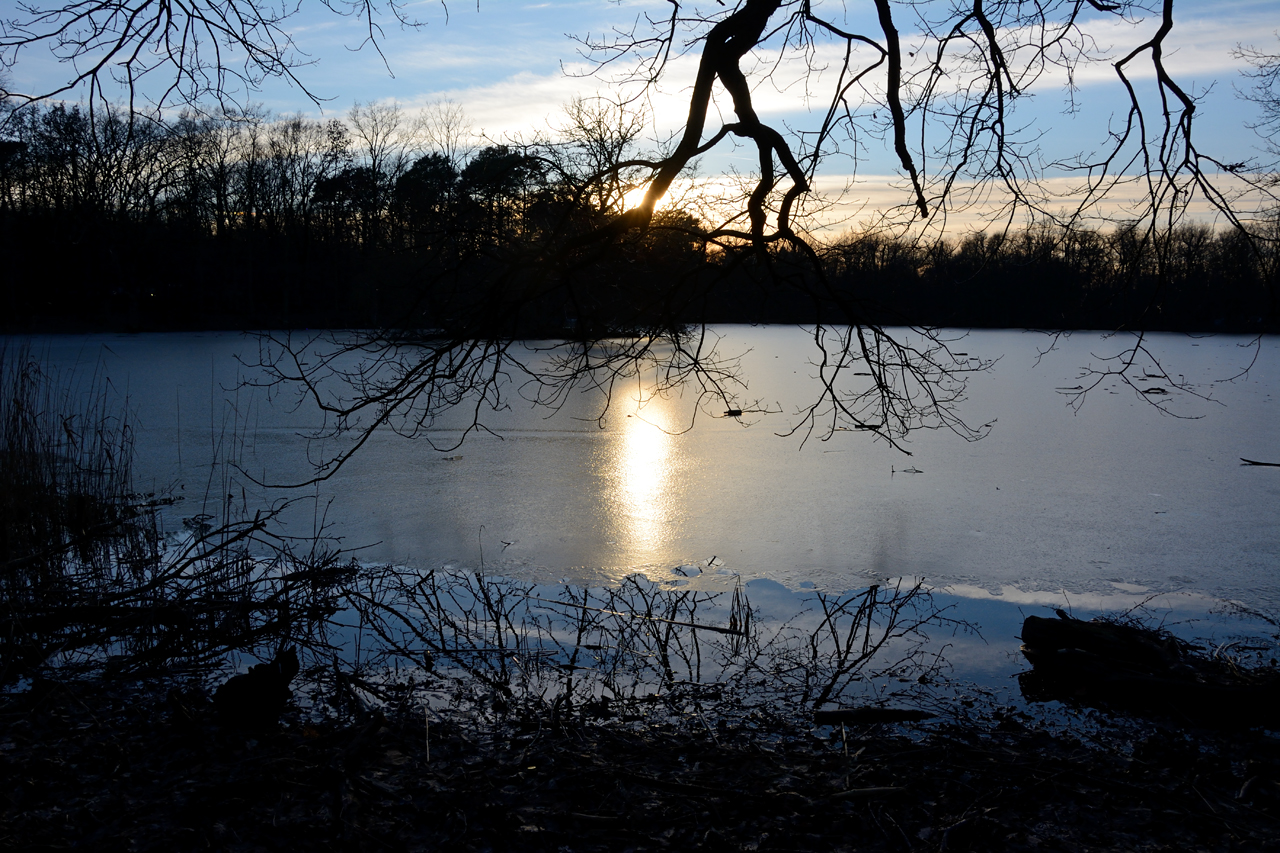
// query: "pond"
[[1089, 509]]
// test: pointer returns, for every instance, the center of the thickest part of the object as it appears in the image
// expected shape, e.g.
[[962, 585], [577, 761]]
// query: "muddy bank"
[[147, 767]]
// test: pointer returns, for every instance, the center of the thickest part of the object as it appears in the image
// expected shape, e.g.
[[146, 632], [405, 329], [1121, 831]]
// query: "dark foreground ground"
[[113, 767]]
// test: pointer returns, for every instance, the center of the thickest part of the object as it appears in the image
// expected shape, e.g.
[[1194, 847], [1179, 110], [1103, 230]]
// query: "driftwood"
[[869, 716], [876, 791], [1143, 670], [1123, 644], [732, 630]]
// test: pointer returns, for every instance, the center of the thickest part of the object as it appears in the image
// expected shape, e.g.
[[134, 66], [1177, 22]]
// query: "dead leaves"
[[116, 768]]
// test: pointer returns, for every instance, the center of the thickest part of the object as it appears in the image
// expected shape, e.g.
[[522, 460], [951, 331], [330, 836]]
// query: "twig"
[[854, 793], [732, 631]]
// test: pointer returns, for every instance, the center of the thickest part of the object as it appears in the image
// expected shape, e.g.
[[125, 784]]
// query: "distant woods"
[[259, 221]]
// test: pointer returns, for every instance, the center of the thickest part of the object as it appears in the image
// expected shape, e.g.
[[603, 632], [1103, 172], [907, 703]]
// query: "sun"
[[633, 198]]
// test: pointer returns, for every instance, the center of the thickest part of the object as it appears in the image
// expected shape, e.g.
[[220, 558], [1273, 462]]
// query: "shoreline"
[[145, 767]]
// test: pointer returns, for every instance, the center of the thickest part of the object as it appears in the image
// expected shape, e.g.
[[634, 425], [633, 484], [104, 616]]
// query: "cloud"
[[503, 65], [1197, 49], [512, 85], [517, 105], [856, 202]]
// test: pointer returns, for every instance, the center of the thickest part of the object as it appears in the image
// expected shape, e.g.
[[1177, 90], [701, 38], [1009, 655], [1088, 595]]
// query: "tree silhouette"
[[1265, 92], [944, 98], [427, 192], [499, 181]]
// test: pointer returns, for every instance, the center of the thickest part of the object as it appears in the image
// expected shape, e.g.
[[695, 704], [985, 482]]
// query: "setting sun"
[[635, 197]]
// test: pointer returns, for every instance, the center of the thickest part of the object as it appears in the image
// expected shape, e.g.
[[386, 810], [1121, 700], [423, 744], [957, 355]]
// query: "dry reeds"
[[87, 581]]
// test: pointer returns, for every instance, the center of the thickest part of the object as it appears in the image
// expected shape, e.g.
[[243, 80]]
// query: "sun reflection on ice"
[[642, 461]]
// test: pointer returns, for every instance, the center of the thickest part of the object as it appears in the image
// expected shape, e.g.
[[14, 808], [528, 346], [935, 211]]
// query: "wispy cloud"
[[856, 202], [1199, 52]]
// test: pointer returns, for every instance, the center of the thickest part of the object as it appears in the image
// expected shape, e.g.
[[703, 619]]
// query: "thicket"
[[1189, 278], [91, 582], [109, 221]]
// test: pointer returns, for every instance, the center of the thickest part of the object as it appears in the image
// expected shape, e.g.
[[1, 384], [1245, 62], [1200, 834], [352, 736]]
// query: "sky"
[[512, 66]]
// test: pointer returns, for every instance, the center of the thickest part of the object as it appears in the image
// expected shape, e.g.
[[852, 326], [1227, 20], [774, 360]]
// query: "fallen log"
[[1123, 643], [1141, 670], [869, 716]]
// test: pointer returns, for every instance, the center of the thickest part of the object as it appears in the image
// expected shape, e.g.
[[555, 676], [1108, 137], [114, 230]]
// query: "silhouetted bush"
[[87, 580], [251, 222]]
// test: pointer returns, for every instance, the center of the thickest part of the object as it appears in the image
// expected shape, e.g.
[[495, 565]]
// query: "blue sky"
[[513, 65], [506, 63]]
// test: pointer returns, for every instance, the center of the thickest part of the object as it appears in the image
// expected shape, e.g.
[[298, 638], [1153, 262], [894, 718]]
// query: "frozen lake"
[[1090, 510]]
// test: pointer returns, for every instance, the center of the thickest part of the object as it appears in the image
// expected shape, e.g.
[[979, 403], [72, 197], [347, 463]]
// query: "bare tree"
[[602, 133], [185, 53], [1265, 92], [386, 136], [940, 83], [444, 129]]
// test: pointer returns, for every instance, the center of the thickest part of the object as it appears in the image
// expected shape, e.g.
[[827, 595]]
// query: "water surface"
[[1109, 503]]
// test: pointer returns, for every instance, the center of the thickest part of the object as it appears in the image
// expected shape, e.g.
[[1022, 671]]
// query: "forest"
[[114, 221], [228, 682]]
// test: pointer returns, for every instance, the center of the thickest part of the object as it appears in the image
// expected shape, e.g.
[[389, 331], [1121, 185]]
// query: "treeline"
[[1189, 278], [252, 220]]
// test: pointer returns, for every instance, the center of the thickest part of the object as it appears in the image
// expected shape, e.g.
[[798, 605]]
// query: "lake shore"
[[452, 708], [144, 766]]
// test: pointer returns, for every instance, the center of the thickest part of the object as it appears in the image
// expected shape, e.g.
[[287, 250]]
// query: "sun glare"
[[643, 460], [634, 197]]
